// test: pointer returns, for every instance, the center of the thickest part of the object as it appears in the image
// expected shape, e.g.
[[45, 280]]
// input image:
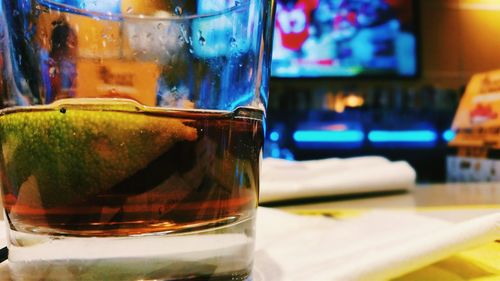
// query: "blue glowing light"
[[274, 136], [275, 152], [449, 135], [329, 136], [403, 136]]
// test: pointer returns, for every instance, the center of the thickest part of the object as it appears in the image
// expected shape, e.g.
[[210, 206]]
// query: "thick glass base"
[[218, 254]]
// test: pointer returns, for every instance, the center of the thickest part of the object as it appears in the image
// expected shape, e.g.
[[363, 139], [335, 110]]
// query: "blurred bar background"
[[401, 110]]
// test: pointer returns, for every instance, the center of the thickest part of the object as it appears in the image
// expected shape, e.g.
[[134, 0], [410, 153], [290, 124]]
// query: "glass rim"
[[116, 16]]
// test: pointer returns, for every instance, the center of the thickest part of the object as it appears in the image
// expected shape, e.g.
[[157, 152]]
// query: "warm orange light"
[[335, 127], [354, 101]]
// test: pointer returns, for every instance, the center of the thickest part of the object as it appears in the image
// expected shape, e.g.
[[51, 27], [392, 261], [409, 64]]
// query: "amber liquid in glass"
[[117, 169]]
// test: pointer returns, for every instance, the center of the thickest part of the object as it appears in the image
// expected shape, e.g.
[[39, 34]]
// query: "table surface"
[[454, 202], [422, 196]]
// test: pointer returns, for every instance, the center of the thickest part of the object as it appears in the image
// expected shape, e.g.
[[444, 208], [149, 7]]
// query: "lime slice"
[[70, 153]]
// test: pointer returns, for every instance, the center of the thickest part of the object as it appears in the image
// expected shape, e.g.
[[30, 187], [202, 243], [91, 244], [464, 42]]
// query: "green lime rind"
[[74, 153]]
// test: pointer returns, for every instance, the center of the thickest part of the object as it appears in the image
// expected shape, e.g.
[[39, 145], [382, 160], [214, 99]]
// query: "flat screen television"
[[345, 38]]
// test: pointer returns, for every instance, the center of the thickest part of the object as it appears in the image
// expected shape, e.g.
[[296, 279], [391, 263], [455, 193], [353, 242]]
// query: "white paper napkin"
[[285, 180], [376, 246]]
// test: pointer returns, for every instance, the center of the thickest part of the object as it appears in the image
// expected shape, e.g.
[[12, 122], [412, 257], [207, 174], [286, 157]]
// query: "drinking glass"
[[131, 134]]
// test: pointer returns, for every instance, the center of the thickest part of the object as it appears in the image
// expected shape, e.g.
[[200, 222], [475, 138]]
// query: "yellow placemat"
[[478, 264]]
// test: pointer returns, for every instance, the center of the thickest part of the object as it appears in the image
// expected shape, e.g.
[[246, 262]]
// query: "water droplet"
[[178, 11], [112, 91], [202, 39], [129, 10], [237, 3], [52, 71], [149, 36], [232, 41], [38, 10], [183, 34], [159, 25], [15, 13]]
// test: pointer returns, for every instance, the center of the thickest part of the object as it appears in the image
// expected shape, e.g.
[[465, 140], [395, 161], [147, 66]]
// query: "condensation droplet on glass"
[[38, 10], [112, 91], [52, 71], [129, 10], [178, 11], [201, 39], [183, 33], [159, 25], [237, 3], [232, 41], [149, 36]]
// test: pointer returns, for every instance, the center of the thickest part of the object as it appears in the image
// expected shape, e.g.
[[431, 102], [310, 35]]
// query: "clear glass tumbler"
[[131, 133]]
